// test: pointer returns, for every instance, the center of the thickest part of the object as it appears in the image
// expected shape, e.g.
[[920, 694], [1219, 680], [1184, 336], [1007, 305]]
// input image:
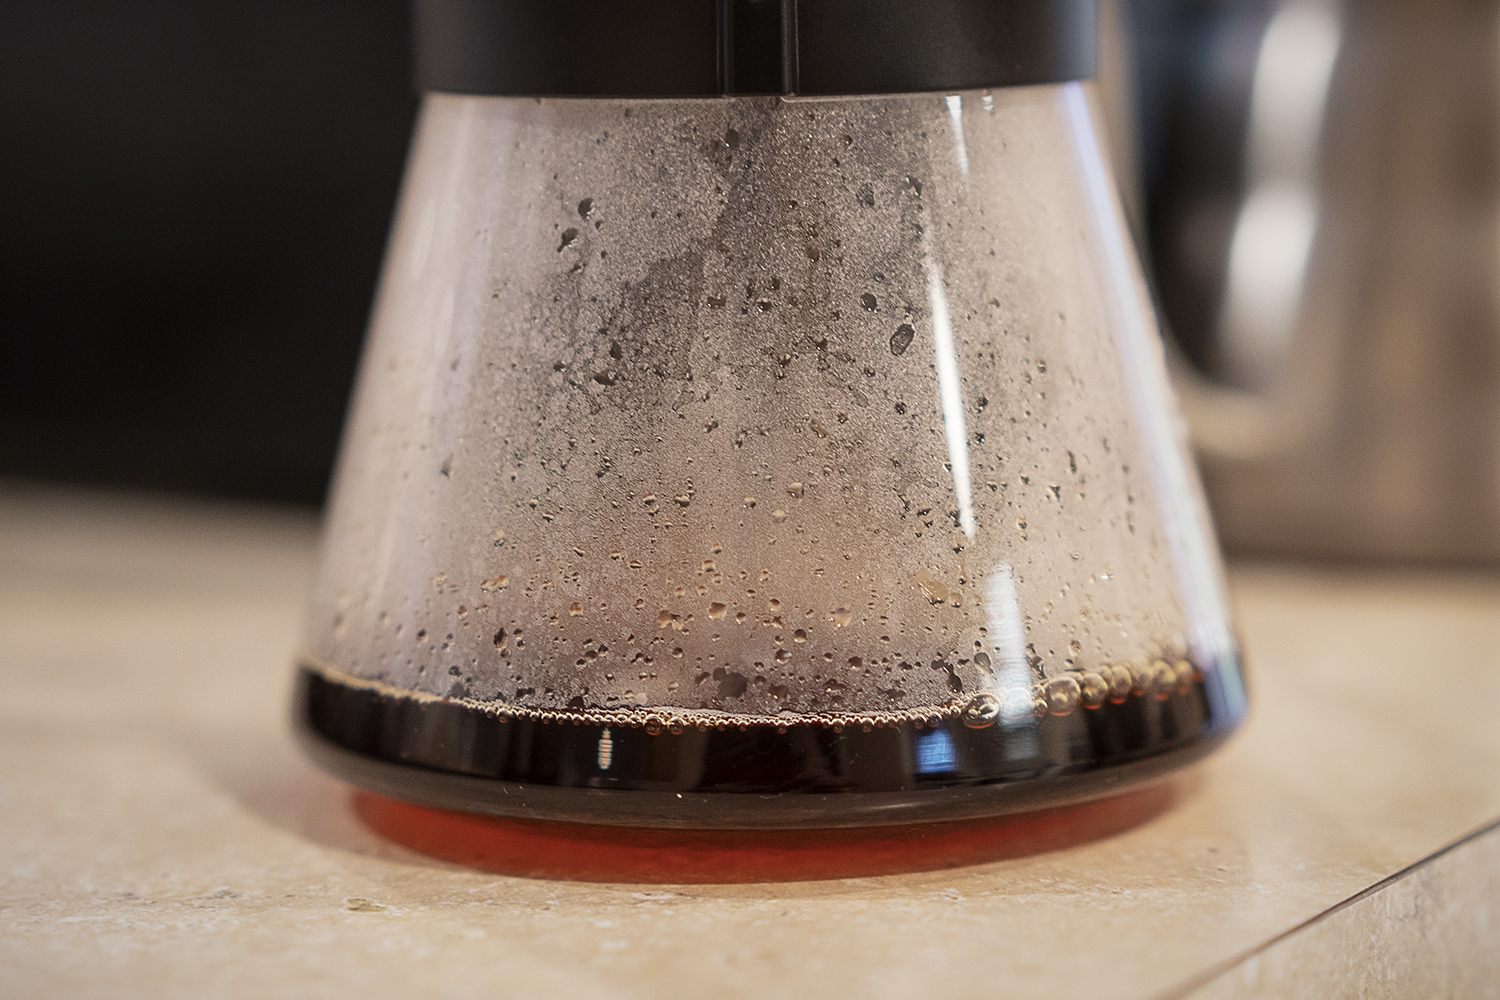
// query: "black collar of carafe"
[[706, 48]]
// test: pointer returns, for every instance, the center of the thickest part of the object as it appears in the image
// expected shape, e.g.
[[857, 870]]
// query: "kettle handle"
[[1281, 374]]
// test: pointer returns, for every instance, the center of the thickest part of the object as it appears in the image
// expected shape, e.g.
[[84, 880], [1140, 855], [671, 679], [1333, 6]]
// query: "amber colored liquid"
[[578, 852]]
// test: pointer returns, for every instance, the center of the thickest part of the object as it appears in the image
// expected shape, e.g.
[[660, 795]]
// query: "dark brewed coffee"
[[1084, 733]]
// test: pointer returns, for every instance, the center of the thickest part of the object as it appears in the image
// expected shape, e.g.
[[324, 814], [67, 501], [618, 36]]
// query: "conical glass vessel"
[[763, 461]]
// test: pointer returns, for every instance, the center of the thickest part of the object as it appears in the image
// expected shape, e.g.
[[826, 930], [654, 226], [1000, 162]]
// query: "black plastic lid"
[[697, 48]]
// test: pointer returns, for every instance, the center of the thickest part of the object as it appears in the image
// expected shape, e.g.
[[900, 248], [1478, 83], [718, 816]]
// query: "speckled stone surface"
[[160, 836], [1429, 932]]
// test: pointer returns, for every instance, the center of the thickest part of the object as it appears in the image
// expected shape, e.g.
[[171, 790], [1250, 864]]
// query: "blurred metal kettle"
[[1342, 306]]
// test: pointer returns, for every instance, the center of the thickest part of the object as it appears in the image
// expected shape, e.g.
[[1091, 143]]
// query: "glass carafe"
[[763, 461]]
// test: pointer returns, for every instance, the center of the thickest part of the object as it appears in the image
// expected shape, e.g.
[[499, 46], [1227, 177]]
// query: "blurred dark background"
[[194, 195]]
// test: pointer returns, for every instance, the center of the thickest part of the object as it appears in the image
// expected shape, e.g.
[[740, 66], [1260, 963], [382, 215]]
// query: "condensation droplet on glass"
[[981, 711], [1061, 695], [1163, 680], [1093, 690]]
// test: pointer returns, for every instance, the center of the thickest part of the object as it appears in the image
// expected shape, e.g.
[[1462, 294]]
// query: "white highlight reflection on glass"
[[951, 396], [606, 754], [936, 753], [1008, 634], [956, 115]]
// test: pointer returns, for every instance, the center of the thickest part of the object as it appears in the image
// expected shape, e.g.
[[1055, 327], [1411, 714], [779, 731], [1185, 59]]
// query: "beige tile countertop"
[[161, 836]]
